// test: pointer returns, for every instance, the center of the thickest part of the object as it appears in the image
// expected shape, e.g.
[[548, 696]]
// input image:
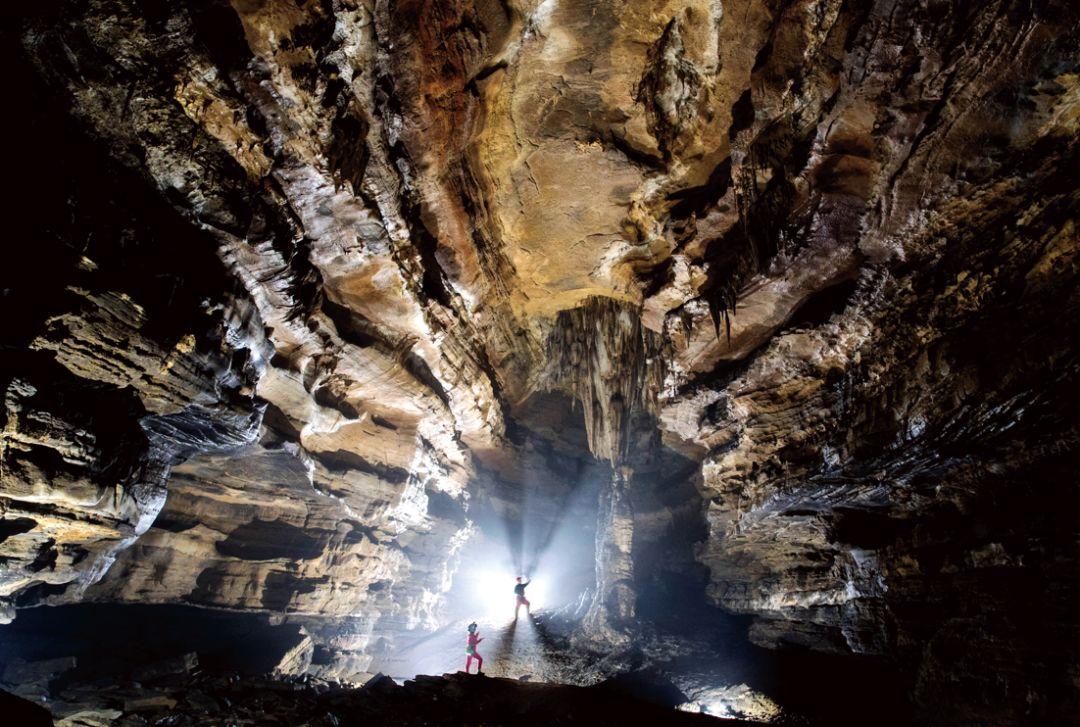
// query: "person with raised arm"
[[519, 592], [471, 652]]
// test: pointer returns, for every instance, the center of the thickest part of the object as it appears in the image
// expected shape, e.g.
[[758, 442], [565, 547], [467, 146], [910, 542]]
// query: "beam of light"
[[486, 576], [484, 585], [538, 522], [483, 591], [548, 537], [495, 591]]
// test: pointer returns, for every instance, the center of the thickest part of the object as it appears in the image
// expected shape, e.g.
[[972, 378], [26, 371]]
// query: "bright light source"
[[537, 592], [492, 593], [535, 542]]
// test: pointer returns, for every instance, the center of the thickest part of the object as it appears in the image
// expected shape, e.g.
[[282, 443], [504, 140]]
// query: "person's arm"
[[528, 581]]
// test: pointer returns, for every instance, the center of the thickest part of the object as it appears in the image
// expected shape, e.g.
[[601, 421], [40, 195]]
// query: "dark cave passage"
[[91, 641]]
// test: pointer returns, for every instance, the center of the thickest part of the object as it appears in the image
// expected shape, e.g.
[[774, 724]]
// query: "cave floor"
[[167, 659], [511, 648], [205, 699], [692, 666]]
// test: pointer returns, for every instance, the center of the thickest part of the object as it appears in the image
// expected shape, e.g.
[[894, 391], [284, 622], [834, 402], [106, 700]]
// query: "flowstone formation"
[[759, 316]]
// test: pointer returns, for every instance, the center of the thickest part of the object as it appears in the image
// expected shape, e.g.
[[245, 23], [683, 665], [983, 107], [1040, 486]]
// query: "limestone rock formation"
[[309, 300]]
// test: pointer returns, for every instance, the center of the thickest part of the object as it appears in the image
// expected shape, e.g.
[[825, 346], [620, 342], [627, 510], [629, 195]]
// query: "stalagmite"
[[610, 618]]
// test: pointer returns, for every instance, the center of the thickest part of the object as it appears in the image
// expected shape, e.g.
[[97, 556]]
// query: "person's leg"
[[468, 663], [517, 607], [479, 663], [528, 610]]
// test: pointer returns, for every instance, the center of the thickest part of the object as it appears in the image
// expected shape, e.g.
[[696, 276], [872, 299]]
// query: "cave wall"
[[880, 469], [125, 351], [288, 279], [887, 513]]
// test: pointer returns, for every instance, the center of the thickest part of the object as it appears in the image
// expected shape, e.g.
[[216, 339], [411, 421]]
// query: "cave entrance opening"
[[534, 515]]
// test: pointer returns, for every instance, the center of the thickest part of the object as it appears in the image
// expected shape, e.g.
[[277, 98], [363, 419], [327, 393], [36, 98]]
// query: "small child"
[[470, 650]]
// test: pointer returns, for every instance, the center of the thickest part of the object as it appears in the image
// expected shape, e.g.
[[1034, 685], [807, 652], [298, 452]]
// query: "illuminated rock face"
[[292, 275]]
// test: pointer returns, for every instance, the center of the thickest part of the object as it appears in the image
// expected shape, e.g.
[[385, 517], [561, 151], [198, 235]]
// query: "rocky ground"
[[708, 669], [450, 699]]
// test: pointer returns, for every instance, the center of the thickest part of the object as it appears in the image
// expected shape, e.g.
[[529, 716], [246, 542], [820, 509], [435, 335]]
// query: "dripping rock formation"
[[750, 329]]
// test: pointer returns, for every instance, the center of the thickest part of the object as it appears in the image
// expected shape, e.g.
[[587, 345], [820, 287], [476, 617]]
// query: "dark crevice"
[[637, 156], [821, 306], [325, 395], [868, 529], [111, 641], [488, 70], [419, 368], [433, 280], [656, 278], [348, 154], [15, 526], [36, 593], [384, 423], [271, 540], [742, 114], [442, 505], [698, 200], [46, 557], [218, 28], [351, 326], [339, 461], [174, 522]]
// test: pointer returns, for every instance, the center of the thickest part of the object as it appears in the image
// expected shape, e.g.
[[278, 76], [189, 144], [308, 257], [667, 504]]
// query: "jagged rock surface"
[[292, 278]]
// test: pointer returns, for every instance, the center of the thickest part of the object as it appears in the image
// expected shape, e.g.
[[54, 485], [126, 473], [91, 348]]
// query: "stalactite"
[[611, 364]]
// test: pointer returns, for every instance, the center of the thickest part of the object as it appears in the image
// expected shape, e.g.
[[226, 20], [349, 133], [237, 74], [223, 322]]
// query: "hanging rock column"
[[610, 363]]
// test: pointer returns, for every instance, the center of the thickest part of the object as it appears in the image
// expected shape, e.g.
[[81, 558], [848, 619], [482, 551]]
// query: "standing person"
[[470, 650], [519, 591]]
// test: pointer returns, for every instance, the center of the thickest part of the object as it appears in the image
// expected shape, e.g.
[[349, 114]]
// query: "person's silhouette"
[[519, 593], [471, 652]]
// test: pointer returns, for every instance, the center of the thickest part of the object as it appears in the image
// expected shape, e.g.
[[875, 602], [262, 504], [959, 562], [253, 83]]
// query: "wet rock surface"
[[771, 305]]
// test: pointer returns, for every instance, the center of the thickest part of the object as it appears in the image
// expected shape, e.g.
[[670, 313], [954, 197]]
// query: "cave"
[[743, 334]]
